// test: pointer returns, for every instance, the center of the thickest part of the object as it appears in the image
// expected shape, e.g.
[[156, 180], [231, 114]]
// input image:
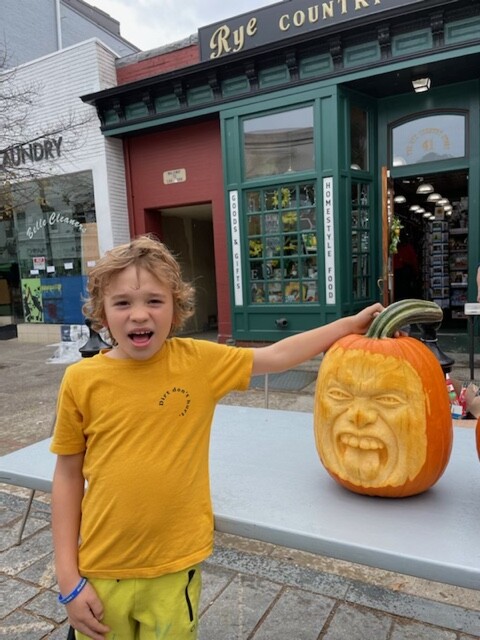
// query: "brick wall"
[[197, 149], [154, 65]]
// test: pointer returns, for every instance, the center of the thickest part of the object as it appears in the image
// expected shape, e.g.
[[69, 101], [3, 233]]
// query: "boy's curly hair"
[[148, 253]]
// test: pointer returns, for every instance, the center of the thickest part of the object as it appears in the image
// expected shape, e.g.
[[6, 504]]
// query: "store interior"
[[432, 253]]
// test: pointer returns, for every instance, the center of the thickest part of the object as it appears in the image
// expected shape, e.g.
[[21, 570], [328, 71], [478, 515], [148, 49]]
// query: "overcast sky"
[[153, 23]]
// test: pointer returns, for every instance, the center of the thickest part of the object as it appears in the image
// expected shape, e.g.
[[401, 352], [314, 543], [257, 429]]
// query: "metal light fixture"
[[433, 197], [424, 188], [421, 84], [399, 199], [414, 207], [426, 214], [421, 210], [442, 202]]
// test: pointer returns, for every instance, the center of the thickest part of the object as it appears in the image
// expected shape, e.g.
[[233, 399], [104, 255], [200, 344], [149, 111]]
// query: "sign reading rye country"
[[285, 20]]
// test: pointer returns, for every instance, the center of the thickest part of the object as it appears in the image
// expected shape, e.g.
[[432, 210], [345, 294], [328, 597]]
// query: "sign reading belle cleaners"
[[53, 219], [285, 20]]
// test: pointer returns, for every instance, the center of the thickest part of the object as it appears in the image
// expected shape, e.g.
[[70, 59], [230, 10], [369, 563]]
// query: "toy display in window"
[[295, 292], [292, 270], [258, 294], [290, 246]]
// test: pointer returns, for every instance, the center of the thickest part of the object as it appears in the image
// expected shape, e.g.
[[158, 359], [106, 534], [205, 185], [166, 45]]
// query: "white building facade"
[[60, 209]]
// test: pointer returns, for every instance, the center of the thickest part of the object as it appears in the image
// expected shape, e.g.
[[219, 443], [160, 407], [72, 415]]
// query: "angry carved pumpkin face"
[[372, 411]]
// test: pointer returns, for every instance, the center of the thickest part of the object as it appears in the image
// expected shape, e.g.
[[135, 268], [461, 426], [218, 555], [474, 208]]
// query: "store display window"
[[361, 241], [53, 246], [279, 143], [359, 138], [282, 244], [281, 219]]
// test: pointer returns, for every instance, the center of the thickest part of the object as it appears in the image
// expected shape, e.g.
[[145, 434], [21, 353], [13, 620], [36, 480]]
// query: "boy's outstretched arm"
[[85, 611], [294, 350]]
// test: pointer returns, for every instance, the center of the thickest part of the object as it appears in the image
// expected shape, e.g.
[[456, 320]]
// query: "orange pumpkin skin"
[[400, 363]]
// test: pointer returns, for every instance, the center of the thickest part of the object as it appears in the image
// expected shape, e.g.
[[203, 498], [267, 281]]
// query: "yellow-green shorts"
[[164, 608]]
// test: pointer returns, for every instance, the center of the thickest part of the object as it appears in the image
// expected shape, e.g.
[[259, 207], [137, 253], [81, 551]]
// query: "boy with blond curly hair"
[[131, 508]]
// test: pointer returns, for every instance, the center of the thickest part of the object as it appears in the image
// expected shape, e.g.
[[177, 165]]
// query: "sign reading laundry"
[[39, 151]]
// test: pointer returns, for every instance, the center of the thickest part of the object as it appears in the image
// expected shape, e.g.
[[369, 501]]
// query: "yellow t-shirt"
[[145, 429]]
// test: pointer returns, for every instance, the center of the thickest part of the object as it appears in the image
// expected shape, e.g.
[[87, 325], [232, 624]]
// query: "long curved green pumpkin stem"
[[403, 312]]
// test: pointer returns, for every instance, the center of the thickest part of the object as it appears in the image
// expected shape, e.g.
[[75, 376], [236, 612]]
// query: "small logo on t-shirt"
[[176, 399]]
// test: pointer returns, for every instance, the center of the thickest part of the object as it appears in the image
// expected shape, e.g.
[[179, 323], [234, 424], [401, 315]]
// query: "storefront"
[[50, 239], [283, 161], [58, 210]]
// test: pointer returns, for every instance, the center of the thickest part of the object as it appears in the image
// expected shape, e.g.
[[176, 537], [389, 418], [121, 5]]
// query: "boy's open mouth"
[[140, 337]]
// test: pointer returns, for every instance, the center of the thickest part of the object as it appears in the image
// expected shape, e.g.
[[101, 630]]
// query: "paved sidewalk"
[[252, 590]]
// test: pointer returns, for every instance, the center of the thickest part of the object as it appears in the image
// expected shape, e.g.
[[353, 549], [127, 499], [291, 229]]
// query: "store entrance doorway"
[[188, 233], [431, 261]]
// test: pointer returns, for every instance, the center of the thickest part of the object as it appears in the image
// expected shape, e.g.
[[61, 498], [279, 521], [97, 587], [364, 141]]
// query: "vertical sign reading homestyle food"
[[329, 240], [236, 252]]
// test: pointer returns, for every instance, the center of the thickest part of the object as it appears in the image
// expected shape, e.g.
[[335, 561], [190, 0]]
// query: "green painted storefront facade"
[[338, 253]]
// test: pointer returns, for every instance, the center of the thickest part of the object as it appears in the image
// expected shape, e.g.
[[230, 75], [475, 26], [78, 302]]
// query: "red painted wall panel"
[[197, 149]]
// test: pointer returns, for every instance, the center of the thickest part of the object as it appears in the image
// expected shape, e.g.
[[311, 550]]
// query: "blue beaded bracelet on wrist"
[[71, 596]]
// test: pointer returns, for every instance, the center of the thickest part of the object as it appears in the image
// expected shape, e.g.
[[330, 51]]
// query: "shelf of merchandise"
[[282, 236], [458, 267], [437, 272]]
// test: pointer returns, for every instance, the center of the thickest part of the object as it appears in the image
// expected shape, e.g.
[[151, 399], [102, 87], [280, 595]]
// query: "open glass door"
[[431, 261], [385, 282]]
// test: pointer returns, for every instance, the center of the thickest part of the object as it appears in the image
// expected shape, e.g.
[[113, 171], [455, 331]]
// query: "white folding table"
[[268, 484]]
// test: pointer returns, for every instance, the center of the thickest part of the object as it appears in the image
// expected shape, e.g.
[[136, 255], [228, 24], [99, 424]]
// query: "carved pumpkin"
[[382, 416]]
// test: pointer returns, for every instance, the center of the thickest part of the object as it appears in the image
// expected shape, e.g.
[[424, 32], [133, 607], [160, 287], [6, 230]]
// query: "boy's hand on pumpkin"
[[364, 318], [371, 313]]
